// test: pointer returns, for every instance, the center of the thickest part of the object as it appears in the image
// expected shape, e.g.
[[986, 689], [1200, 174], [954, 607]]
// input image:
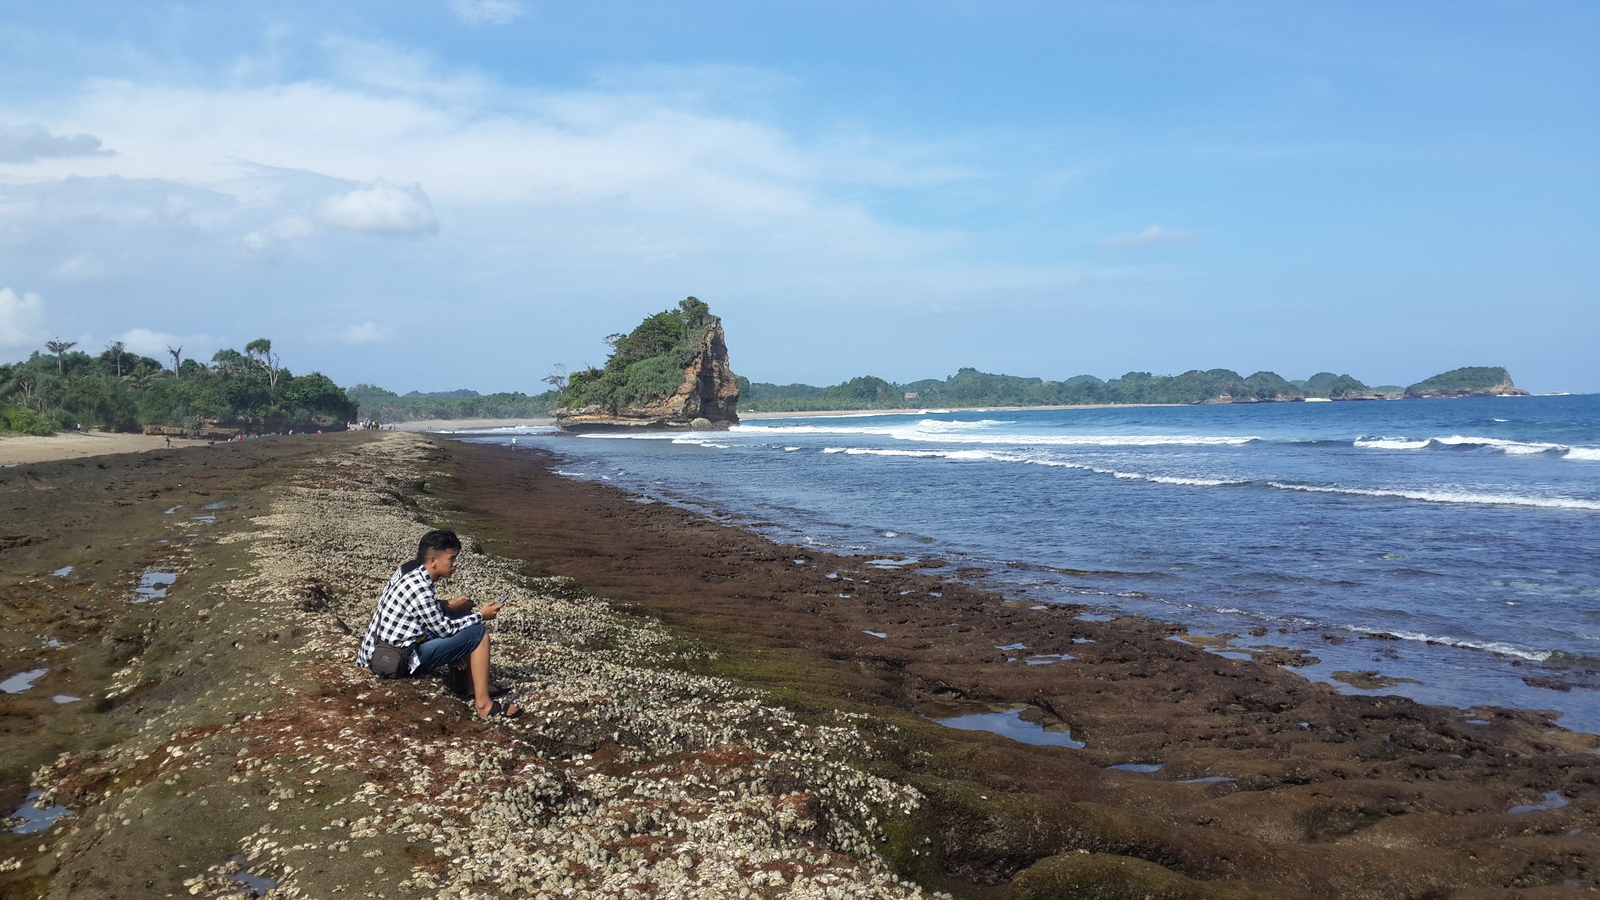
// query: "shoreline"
[[442, 426], [1276, 752], [438, 426], [1288, 658]]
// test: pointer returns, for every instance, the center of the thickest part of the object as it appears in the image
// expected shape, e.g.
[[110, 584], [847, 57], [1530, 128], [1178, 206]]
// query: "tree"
[[228, 361], [116, 349], [22, 382], [177, 359], [259, 351], [557, 378], [143, 373], [60, 348]]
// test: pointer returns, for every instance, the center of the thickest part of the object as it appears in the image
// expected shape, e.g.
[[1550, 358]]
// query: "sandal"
[[498, 710]]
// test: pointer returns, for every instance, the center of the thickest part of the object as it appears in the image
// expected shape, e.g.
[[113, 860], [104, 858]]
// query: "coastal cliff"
[[671, 373], [1470, 381]]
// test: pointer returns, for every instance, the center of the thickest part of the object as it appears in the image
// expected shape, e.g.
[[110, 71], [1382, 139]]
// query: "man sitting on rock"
[[451, 633]]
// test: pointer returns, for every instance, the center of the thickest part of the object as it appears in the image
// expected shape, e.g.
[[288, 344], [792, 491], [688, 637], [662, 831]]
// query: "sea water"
[[1463, 531]]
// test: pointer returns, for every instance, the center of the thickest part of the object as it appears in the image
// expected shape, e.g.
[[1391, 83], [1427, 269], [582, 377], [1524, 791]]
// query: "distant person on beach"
[[450, 633]]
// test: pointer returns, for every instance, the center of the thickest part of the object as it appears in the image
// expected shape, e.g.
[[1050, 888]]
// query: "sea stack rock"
[[670, 374], [1471, 381]]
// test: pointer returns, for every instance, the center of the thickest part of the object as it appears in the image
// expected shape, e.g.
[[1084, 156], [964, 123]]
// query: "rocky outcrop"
[[1472, 381], [706, 400]]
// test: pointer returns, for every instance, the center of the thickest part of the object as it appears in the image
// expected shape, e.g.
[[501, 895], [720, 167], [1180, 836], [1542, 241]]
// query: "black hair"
[[436, 541]]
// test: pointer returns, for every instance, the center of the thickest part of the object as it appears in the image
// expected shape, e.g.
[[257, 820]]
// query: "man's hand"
[[455, 606], [491, 609]]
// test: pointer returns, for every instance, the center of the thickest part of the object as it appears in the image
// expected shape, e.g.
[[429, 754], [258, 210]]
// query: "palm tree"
[[143, 376], [177, 357], [60, 348], [115, 348]]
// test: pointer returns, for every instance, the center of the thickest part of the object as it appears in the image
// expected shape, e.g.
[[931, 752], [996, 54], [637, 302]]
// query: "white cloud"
[[28, 143], [486, 12], [19, 318], [562, 205], [365, 333], [381, 208], [154, 344], [351, 156], [285, 229], [82, 267], [1155, 234]]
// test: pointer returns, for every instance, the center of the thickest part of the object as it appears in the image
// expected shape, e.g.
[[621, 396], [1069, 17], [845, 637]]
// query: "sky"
[[466, 193]]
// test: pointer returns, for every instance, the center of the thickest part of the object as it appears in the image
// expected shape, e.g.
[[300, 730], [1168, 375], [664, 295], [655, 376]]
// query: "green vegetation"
[[646, 365], [969, 387], [122, 391], [380, 405], [1463, 380]]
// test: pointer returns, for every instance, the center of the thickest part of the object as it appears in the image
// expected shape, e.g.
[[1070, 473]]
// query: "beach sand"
[[729, 718], [16, 448], [427, 426]]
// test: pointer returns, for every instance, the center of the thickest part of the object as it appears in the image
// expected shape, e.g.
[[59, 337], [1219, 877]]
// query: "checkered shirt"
[[407, 611]]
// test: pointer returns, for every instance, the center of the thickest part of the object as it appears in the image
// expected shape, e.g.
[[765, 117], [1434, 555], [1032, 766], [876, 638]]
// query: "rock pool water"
[[1009, 724]]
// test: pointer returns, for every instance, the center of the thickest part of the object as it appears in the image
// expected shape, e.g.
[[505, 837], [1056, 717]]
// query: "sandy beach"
[[711, 713], [435, 426], [19, 449]]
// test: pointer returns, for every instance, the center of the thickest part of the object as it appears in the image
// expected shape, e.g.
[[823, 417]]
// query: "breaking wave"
[[1031, 459], [1457, 441], [1441, 496], [1479, 498], [984, 432], [1500, 647]]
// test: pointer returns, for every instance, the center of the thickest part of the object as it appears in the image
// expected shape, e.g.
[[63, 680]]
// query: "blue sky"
[[464, 193]]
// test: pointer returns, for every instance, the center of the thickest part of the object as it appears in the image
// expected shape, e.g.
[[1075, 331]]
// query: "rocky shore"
[[736, 718]]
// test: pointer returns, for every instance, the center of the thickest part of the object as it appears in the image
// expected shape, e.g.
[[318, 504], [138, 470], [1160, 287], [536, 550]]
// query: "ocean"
[[1464, 532]]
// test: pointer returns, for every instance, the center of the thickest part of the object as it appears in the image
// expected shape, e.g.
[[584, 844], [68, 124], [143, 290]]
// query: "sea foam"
[[1043, 459], [1440, 496], [1455, 441], [984, 432], [1500, 647]]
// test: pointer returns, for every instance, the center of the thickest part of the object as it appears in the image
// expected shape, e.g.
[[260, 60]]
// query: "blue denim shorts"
[[436, 652]]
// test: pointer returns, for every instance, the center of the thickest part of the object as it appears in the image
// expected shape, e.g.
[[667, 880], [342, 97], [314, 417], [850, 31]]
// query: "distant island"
[[972, 388], [671, 372], [617, 395]]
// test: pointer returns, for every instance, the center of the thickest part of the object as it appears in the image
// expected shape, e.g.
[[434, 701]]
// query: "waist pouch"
[[390, 661]]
